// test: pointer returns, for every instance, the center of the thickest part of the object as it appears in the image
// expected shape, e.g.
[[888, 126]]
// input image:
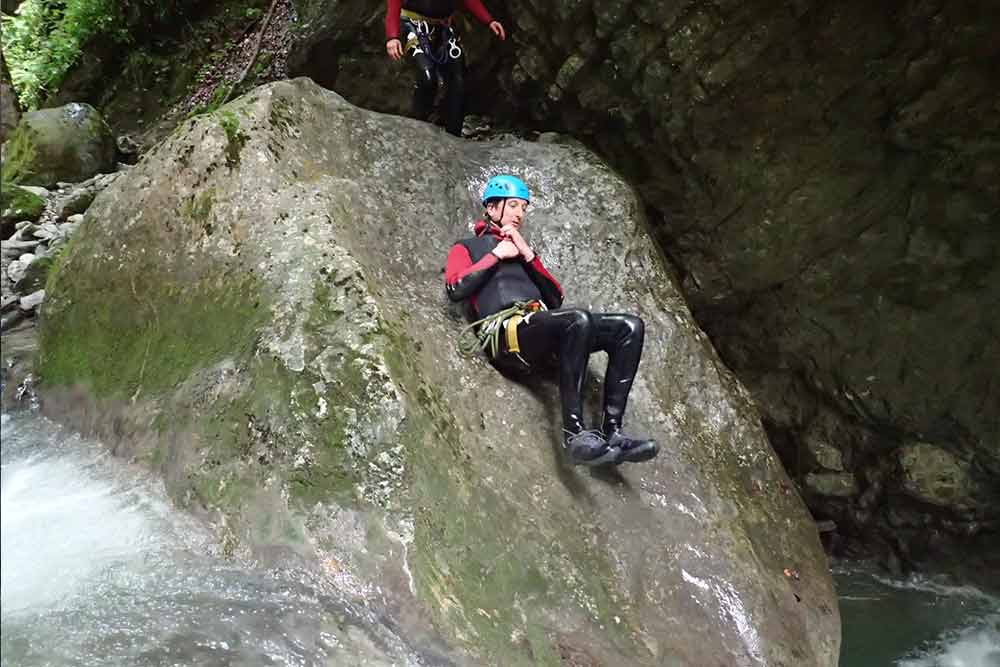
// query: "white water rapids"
[[99, 569]]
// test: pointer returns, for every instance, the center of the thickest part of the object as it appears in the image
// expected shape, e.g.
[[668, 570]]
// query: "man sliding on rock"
[[434, 46], [520, 325]]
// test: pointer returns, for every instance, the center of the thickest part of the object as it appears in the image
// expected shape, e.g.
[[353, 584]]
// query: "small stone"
[[826, 526], [76, 202], [836, 484], [27, 258], [8, 302], [33, 300], [46, 231], [15, 271], [75, 219], [127, 145], [826, 454], [36, 190]]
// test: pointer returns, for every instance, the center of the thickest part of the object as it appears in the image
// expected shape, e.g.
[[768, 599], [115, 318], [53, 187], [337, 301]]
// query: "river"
[[99, 568]]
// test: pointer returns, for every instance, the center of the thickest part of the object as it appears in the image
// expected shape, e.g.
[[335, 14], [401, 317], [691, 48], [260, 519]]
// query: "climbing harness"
[[425, 27], [492, 326]]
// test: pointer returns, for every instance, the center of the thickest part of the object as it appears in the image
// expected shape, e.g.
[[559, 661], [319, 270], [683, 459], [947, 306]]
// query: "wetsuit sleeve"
[[552, 293], [463, 278], [477, 9], [392, 19]]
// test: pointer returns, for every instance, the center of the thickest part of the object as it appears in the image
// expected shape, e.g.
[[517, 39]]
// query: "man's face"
[[510, 211]]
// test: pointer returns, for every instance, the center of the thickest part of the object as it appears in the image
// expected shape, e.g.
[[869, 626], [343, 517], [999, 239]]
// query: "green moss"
[[264, 61], [282, 114], [22, 153], [17, 204], [117, 332], [199, 208], [235, 137]]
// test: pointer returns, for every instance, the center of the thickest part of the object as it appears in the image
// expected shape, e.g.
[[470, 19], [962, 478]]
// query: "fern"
[[45, 38]]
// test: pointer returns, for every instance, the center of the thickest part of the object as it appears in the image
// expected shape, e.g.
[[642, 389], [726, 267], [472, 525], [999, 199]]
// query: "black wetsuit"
[[491, 285], [435, 49], [437, 65]]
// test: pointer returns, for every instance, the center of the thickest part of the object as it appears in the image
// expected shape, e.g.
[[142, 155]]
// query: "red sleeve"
[[537, 265], [550, 288], [460, 264], [477, 9], [392, 19]]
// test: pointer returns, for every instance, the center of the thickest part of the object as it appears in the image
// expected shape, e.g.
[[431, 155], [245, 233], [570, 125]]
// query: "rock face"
[[262, 297], [10, 113], [826, 179], [69, 143]]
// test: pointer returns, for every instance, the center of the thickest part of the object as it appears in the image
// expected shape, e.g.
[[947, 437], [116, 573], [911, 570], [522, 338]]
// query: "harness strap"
[[511, 325], [415, 17], [491, 326]]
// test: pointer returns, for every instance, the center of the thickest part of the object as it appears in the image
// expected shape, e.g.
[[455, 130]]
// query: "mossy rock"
[[281, 312], [16, 205], [68, 143]]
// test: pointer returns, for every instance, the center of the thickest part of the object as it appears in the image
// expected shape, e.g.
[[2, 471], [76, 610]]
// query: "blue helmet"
[[505, 186]]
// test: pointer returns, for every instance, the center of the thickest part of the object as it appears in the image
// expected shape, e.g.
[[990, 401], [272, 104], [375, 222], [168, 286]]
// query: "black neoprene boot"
[[631, 450], [589, 448]]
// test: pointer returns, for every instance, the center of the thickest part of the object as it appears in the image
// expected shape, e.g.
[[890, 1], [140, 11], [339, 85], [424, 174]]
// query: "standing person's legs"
[[455, 96], [425, 83], [425, 87], [622, 337]]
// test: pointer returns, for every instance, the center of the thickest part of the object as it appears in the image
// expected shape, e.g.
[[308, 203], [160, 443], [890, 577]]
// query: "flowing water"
[[920, 621], [99, 569]]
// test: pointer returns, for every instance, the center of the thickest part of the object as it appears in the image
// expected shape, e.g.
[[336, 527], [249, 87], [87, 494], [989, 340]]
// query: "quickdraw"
[[450, 47]]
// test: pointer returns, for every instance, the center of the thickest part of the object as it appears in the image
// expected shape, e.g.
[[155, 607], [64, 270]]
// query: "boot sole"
[[638, 454], [609, 456]]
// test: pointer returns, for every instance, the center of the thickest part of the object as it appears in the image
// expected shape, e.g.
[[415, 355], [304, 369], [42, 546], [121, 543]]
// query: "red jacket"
[[432, 8]]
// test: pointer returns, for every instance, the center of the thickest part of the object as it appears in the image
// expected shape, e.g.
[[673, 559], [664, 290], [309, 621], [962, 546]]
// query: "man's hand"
[[394, 48], [497, 29], [506, 250], [511, 233]]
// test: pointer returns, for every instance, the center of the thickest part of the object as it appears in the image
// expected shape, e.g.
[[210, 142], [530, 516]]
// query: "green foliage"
[[44, 39]]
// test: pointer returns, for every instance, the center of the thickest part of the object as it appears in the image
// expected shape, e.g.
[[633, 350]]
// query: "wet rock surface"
[[262, 283]]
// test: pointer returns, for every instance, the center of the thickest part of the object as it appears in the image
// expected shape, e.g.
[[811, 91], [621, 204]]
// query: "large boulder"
[[264, 291], [67, 143], [825, 177]]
